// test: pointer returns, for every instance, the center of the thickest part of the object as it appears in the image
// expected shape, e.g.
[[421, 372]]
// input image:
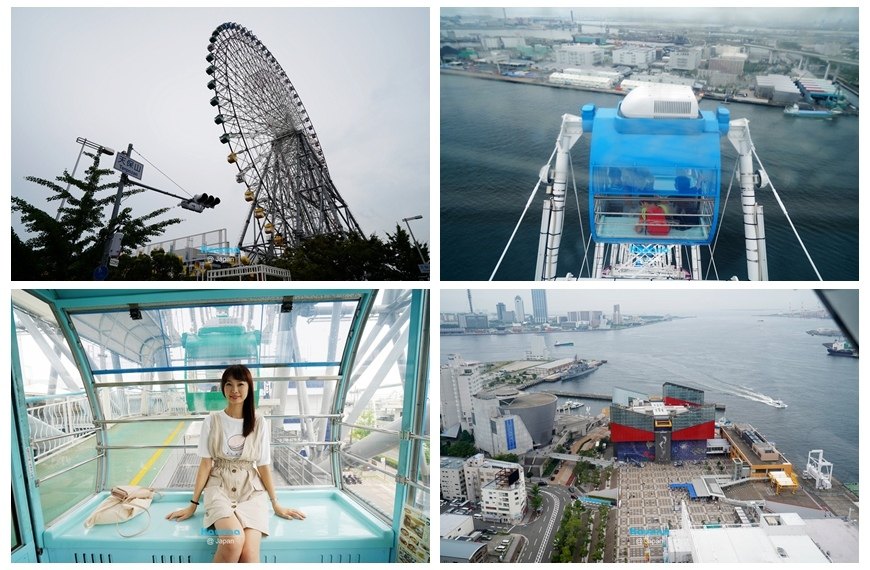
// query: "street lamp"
[[417, 217], [85, 143]]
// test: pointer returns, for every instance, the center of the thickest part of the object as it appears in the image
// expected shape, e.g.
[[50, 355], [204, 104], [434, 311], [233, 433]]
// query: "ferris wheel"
[[272, 142]]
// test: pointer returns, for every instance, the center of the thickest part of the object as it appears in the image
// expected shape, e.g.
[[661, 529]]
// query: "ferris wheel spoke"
[[274, 146]]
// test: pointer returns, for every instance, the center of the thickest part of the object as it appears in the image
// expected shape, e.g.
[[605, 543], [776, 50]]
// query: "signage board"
[[128, 166]]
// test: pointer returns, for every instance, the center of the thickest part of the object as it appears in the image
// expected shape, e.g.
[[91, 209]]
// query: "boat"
[[581, 368], [841, 348], [824, 332], [564, 343], [778, 404], [812, 113]]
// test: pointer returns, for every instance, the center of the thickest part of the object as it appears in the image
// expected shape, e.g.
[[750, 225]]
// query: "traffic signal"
[[200, 202]]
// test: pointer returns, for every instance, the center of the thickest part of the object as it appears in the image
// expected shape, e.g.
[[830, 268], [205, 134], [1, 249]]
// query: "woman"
[[236, 493]]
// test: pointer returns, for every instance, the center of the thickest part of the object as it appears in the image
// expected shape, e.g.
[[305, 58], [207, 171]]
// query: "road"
[[539, 533]]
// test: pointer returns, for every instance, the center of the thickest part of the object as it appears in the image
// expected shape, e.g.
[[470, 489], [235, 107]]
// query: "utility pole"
[[126, 165], [101, 272]]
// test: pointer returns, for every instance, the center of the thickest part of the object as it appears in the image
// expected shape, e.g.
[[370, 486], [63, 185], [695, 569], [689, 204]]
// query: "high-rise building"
[[519, 309], [500, 311], [617, 315], [460, 380], [539, 305]]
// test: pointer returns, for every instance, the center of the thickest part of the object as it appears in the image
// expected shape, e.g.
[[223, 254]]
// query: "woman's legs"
[[251, 548], [230, 538]]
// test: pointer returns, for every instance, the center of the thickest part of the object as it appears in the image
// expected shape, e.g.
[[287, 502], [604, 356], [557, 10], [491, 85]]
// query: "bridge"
[[575, 458], [802, 53], [561, 394]]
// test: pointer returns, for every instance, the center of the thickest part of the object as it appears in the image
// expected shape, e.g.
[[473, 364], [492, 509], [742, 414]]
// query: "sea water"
[[496, 136], [741, 360]]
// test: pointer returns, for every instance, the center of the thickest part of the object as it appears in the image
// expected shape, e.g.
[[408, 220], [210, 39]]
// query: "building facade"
[[687, 59], [519, 309], [634, 56], [453, 478], [578, 55], [539, 306], [499, 486], [459, 381], [675, 428], [508, 421]]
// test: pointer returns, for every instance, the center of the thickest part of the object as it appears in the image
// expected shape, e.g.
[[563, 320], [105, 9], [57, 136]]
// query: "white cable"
[[784, 211], [526, 209], [719, 229], [579, 217], [163, 173]]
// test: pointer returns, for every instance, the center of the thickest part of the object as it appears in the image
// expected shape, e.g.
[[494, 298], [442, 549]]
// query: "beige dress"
[[234, 486]]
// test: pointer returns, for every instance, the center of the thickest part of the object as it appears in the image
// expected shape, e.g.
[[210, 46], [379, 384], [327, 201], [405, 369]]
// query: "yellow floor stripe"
[[156, 456]]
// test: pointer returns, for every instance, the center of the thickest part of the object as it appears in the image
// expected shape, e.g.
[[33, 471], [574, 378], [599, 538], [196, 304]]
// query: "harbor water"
[[496, 136], [741, 361]]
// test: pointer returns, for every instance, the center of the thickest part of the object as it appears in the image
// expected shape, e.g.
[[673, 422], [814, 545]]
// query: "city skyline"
[[676, 302], [796, 15]]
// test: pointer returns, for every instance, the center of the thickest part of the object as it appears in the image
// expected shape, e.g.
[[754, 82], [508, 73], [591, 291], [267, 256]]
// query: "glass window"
[[653, 203]]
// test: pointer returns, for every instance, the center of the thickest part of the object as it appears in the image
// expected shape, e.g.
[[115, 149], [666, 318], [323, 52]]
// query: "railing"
[[59, 422], [57, 425]]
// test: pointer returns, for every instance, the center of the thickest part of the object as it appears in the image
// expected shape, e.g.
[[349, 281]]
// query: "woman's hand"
[[182, 514], [287, 512]]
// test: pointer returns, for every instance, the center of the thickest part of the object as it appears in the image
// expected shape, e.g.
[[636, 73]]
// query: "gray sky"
[[682, 302], [122, 75]]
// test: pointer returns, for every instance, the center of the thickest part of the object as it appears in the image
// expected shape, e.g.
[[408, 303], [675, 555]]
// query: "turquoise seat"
[[336, 529]]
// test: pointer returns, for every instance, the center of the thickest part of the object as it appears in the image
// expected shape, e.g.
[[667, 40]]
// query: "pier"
[[606, 397]]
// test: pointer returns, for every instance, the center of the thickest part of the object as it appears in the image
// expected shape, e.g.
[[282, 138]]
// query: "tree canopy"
[[71, 246], [351, 257]]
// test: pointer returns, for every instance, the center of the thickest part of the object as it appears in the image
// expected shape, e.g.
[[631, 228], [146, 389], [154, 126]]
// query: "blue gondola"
[[221, 344], [655, 168]]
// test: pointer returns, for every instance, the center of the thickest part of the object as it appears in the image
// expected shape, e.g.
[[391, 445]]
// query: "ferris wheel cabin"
[[655, 166], [110, 387]]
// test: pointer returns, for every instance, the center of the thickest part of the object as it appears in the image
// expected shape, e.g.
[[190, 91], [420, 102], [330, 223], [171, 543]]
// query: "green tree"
[[159, 266], [71, 247], [366, 418], [351, 257], [508, 457]]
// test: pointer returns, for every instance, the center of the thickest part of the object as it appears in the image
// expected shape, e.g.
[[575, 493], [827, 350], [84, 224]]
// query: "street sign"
[[101, 272], [423, 267], [128, 166]]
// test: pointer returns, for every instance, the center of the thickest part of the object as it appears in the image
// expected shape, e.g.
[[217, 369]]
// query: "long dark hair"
[[241, 372]]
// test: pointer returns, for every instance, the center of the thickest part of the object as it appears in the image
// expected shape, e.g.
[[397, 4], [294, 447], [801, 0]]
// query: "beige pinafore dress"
[[234, 486]]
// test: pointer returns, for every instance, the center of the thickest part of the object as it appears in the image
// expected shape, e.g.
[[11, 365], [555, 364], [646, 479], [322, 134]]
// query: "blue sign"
[[511, 435], [648, 531]]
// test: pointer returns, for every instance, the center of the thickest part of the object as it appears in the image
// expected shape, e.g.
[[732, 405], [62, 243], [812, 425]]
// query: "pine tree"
[[71, 246]]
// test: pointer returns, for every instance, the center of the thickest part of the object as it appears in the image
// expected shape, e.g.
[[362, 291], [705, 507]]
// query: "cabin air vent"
[[660, 102], [671, 108]]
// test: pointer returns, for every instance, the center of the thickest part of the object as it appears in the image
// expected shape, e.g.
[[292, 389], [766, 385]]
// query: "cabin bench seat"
[[335, 529], [621, 228]]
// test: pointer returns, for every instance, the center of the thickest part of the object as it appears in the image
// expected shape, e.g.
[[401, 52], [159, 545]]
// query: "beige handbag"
[[124, 503]]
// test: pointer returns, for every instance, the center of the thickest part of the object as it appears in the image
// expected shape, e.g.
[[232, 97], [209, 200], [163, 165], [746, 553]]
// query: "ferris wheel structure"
[[289, 193]]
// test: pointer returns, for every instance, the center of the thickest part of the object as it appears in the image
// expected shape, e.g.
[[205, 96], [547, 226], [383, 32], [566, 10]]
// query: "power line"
[[163, 173]]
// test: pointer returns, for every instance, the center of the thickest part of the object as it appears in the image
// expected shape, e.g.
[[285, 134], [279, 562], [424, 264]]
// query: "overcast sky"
[[681, 302], [117, 76]]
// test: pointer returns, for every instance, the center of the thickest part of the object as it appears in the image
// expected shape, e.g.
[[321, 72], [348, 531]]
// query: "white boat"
[[778, 404]]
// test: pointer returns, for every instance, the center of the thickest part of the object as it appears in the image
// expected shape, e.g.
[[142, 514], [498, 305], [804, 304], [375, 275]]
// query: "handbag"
[[125, 502]]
